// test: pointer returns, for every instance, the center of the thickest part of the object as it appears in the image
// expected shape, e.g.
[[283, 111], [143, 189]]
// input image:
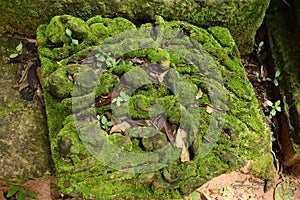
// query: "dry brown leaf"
[[162, 75], [138, 61], [179, 143], [210, 108], [104, 100], [199, 94], [118, 128], [185, 155], [168, 131]]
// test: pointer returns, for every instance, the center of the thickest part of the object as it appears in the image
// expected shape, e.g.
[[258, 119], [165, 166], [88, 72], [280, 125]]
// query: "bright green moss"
[[177, 82]]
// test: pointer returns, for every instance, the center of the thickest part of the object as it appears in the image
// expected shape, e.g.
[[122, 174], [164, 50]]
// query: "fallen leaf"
[[185, 155], [118, 128], [162, 75], [210, 109], [168, 131], [179, 143], [263, 73], [199, 94], [138, 61], [104, 100]]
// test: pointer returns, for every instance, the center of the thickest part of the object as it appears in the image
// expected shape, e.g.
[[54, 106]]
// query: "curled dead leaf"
[[119, 128], [179, 143], [210, 109], [199, 94]]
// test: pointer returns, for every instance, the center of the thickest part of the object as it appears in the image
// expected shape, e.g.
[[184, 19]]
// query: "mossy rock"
[[185, 82], [242, 18], [284, 43], [24, 144]]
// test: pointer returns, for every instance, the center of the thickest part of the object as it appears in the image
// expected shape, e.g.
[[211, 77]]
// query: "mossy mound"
[[243, 18], [181, 115]]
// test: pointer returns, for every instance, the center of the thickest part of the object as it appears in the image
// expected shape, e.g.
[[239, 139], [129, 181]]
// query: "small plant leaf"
[[277, 103], [122, 94], [270, 116], [103, 120], [13, 190], [268, 79], [269, 103], [122, 62], [278, 109], [75, 42], [69, 32], [261, 44], [277, 73], [273, 112], [110, 59], [11, 193], [118, 103], [101, 58], [14, 55], [31, 194], [21, 196], [19, 47], [130, 63], [276, 82], [110, 123]]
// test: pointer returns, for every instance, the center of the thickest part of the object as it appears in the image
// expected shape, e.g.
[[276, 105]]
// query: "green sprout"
[[18, 51], [122, 98], [260, 45], [22, 193], [258, 77], [105, 124], [105, 58], [275, 107], [69, 33], [126, 62], [275, 81]]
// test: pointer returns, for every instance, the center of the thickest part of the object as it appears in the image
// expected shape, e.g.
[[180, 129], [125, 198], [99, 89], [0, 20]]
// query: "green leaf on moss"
[[69, 32]]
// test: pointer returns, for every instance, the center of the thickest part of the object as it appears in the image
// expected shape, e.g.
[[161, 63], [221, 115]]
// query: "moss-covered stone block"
[[24, 143], [242, 18], [182, 108], [284, 43]]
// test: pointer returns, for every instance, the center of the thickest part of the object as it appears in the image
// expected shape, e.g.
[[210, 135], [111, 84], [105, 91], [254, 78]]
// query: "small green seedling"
[[260, 45], [69, 33], [18, 51], [21, 193], [105, 124], [275, 81], [105, 58], [275, 107], [258, 77], [122, 98], [126, 62]]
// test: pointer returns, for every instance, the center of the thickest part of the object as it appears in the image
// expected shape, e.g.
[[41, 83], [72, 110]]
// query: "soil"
[[237, 185]]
